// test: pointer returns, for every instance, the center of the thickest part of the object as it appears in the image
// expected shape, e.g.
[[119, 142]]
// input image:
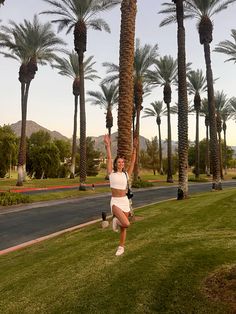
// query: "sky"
[[51, 102]]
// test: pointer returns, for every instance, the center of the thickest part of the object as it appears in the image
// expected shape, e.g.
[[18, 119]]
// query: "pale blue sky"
[[51, 100]]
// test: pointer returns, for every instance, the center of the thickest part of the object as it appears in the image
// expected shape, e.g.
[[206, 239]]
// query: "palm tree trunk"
[[182, 105], [197, 146], [82, 125], [169, 148], [22, 147], [225, 151], [136, 165], [207, 156], [138, 92], [220, 155], [73, 156], [160, 150], [126, 86], [214, 149]]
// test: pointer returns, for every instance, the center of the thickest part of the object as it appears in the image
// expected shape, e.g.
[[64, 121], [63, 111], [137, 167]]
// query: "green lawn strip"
[[47, 196], [7, 184], [170, 250]]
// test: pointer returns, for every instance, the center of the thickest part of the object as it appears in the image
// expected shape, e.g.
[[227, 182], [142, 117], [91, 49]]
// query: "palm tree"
[[165, 73], [204, 112], [106, 99], [203, 11], [2, 2], [30, 44], [228, 47], [126, 82], [196, 85], [70, 68], [182, 104], [226, 114], [144, 58], [157, 111], [80, 15], [223, 111]]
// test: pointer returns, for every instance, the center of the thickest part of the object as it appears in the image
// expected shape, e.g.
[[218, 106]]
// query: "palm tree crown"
[[228, 47], [28, 41], [81, 14]]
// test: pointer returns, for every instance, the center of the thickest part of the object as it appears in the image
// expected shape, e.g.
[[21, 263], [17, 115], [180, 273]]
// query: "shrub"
[[7, 198], [141, 184]]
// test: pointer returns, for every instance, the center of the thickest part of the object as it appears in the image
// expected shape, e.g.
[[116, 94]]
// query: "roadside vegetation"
[[173, 253]]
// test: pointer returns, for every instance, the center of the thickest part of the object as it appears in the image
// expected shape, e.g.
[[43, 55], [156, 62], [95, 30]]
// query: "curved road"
[[21, 224]]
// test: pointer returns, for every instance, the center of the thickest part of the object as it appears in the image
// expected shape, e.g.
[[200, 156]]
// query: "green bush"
[[7, 198], [141, 184]]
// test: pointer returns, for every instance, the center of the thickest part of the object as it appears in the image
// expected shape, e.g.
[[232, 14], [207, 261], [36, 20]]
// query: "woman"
[[118, 177]]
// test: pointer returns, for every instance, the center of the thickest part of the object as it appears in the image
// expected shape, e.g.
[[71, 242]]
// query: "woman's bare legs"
[[123, 221]]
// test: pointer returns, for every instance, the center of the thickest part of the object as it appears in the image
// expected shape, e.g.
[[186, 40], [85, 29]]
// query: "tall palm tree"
[[182, 104], [223, 111], [70, 67], [30, 43], [126, 82], [196, 86], [203, 12], [144, 58], [165, 73], [204, 112], [157, 111], [106, 99], [2, 2], [80, 15], [228, 47]]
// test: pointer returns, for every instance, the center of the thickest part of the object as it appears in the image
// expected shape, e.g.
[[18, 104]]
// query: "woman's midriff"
[[118, 193]]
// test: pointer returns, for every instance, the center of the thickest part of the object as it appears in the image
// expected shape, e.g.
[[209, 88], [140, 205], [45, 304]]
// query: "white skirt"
[[121, 202]]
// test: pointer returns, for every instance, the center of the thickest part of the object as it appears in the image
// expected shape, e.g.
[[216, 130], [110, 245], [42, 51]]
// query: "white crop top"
[[118, 180]]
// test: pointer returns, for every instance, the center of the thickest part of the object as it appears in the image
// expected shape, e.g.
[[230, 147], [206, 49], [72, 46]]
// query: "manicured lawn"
[[170, 250]]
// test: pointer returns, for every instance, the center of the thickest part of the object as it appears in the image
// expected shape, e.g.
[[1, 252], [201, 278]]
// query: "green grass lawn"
[[171, 248]]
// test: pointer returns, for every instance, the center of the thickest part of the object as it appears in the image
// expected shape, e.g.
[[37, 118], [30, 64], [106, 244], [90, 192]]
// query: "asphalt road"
[[24, 223]]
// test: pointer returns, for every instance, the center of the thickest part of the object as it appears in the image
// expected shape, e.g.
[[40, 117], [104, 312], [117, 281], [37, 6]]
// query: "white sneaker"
[[120, 250], [115, 225]]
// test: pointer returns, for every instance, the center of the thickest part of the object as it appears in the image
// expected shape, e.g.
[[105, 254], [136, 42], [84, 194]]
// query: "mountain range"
[[32, 127]]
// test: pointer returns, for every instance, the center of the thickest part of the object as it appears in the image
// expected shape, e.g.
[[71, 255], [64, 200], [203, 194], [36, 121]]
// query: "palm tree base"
[[180, 194], [72, 176], [170, 181], [19, 183], [82, 187], [216, 186]]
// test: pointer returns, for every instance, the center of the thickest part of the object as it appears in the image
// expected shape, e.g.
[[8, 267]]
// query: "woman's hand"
[[107, 140]]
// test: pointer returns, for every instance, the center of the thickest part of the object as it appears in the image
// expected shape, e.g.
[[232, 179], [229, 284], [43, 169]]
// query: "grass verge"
[[170, 250]]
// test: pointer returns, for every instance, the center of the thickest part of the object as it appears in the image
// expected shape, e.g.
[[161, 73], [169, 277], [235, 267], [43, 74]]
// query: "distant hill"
[[32, 127], [99, 144]]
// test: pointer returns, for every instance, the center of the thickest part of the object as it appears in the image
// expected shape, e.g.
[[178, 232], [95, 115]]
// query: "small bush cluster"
[[141, 184], [234, 177], [7, 198]]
